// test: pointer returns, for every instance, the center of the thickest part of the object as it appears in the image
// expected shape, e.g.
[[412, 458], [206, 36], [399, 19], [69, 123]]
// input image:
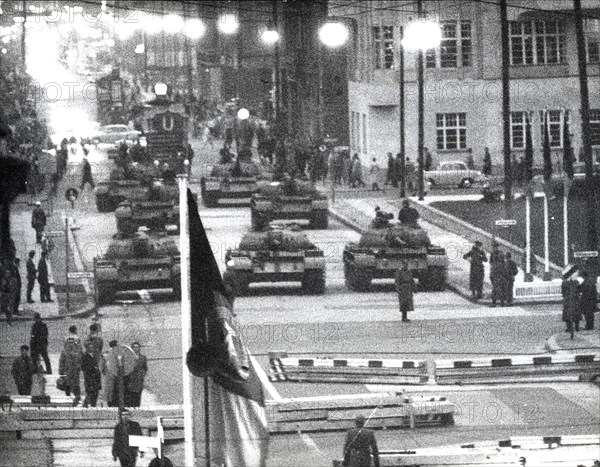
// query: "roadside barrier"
[[522, 368], [537, 291], [350, 370]]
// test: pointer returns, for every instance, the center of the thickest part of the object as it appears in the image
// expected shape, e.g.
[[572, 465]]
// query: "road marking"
[[309, 442]]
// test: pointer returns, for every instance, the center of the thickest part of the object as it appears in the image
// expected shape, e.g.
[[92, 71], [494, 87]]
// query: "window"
[[555, 127], [595, 127], [517, 129], [455, 48], [537, 43], [451, 131], [593, 50], [383, 40]]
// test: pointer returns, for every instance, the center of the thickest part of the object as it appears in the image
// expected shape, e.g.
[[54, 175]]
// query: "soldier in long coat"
[[70, 363], [587, 294], [405, 288], [477, 257], [43, 279], [38, 221], [498, 276], [359, 445], [571, 312]]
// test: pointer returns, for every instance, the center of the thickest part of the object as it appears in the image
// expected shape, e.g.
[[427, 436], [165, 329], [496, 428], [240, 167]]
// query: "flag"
[[546, 151], [528, 169], [568, 157], [237, 420]]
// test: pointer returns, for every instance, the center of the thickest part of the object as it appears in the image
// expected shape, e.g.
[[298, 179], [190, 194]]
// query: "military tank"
[[233, 181], [289, 199], [276, 255], [155, 215], [382, 248], [137, 261]]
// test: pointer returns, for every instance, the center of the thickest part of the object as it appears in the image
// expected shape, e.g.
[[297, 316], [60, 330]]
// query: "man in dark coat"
[[126, 454], [359, 445], [587, 296], [22, 371], [43, 279], [39, 342], [391, 176], [408, 215], [135, 380], [87, 172], [91, 375], [38, 221], [497, 276], [18, 283], [477, 257], [571, 312], [510, 272], [405, 287], [31, 275]]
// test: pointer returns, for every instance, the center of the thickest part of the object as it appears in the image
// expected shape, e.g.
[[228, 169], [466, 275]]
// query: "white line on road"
[[309, 442]]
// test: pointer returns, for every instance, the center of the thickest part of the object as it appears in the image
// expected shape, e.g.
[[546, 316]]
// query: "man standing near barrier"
[[39, 342], [476, 257], [405, 287], [360, 444], [121, 450], [43, 279], [31, 275]]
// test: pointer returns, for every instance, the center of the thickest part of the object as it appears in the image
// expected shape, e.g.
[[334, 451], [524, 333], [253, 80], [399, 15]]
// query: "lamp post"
[[421, 35], [401, 104], [271, 36]]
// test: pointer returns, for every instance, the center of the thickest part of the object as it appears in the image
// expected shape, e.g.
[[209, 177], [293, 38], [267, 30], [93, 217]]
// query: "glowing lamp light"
[[243, 114], [124, 30], [6, 39], [333, 34], [422, 35], [4, 51], [152, 24], [228, 24], [172, 24], [270, 36], [140, 49], [194, 28], [160, 89]]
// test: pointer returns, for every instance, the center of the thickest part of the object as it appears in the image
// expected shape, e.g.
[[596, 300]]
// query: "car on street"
[[112, 134], [453, 173]]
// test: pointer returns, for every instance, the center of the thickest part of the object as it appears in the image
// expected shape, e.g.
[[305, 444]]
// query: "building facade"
[[462, 78]]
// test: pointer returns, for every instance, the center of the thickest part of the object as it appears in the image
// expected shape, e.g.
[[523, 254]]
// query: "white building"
[[463, 93]]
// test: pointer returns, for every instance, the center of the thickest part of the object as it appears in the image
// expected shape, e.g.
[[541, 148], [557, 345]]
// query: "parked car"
[[111, 134], [453, 173]]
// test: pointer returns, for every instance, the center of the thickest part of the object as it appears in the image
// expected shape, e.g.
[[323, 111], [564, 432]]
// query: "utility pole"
[[401, 118], [592, 209], [188, 58], [23, 46], [506, 104], [277, 73], [421, 110]]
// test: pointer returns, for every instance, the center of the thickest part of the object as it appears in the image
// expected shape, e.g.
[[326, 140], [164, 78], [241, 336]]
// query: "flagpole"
[[528, 277], [186, 319], [565, 223], [547, 188]]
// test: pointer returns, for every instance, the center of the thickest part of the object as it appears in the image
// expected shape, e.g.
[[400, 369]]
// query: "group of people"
[[503, 271], [76, 358], [579, 300]]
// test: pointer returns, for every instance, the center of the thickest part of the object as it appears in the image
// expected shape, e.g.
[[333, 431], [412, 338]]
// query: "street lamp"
[[228, 24], [194, 28], [421, 35]]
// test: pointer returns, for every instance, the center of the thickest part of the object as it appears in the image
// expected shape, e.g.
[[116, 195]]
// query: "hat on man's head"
[[360, 420], [38, 203], [125, 412]]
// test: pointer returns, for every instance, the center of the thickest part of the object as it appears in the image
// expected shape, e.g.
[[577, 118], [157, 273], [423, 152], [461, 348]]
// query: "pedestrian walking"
[[86, 169], [347, 170], [571, 305], [111, 396], [360, 446], [16, 273], [70, 364], [31, 275], [38, 221], [391, 176], [95, 340], [587, 297], [121, 449], [91, 375], [410, 176], [22, 372], [374, 174], [356, 172], [39, 342], [135, 380], [497, 276], [476, 257], [405, 288], [510, 272], [43, 279]]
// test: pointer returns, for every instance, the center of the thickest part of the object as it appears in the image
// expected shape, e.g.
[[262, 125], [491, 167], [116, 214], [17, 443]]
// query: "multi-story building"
[[462, 77]]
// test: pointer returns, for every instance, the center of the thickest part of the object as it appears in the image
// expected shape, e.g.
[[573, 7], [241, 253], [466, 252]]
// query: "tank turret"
[[231, 181], [277, 255]]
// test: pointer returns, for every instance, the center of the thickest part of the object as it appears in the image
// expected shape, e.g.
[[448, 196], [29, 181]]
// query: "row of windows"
[[358, 130], [451, 128], [531, 43]]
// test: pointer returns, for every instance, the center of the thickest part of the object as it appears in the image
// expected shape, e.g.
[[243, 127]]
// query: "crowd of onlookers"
[[78, 358]]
